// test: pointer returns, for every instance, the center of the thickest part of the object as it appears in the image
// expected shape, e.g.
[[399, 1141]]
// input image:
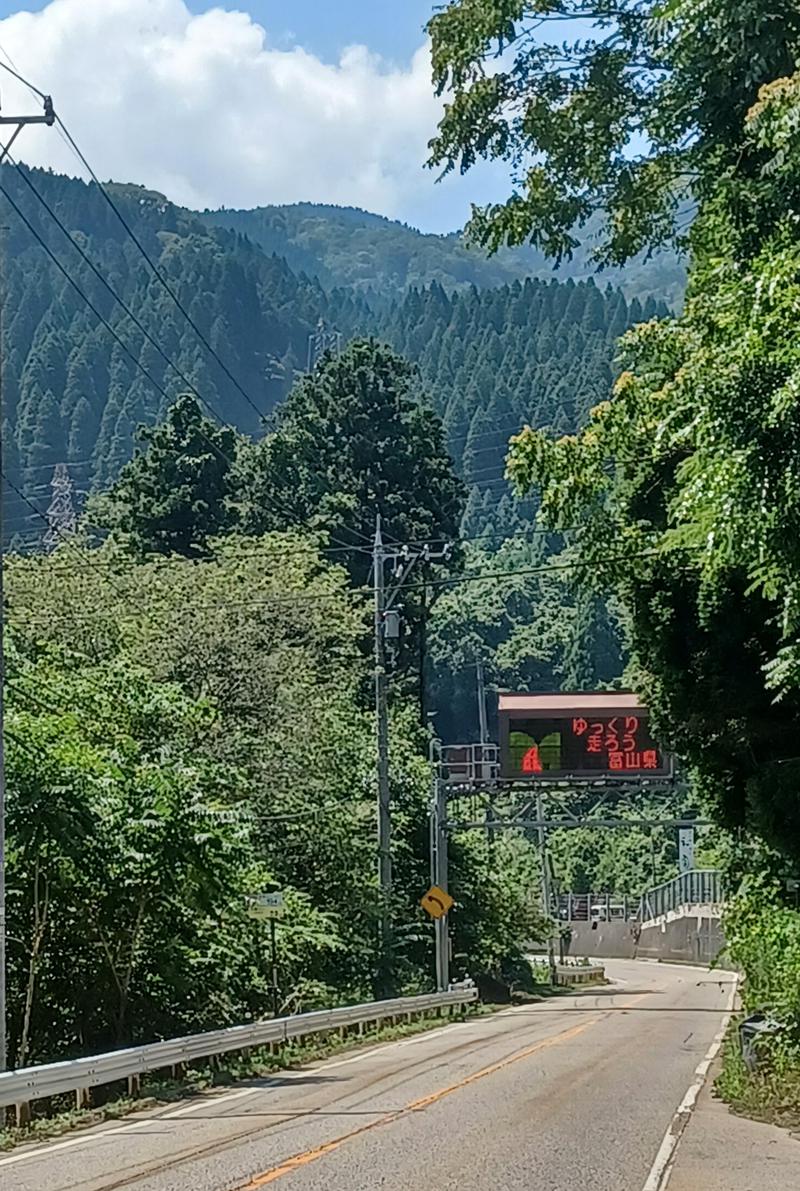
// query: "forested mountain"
[[351, 248], [491, 358], [71, 392]]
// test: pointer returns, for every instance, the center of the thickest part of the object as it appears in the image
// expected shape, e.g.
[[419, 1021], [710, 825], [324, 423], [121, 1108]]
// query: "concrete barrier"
[[692, 938], [695, 938], [611, 940], [585, 974]]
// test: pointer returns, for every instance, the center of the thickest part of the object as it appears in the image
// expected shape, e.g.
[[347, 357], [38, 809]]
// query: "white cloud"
[[207, 110]]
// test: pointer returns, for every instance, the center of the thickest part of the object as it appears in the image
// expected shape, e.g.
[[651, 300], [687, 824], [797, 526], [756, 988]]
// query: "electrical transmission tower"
[[62, 519], [321, 340]]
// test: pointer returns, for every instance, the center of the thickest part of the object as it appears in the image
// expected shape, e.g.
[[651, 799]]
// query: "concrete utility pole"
[[440, 878], [483, 730], [48, 117], [388, 626], [382, 740], [483, 726]]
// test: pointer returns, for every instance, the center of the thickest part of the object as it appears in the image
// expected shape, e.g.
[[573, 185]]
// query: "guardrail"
[[700, 886], [79, 1075]]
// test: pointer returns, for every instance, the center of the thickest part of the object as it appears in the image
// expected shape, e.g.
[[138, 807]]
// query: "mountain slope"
[[492, 357], [73, 394], [347, 247]]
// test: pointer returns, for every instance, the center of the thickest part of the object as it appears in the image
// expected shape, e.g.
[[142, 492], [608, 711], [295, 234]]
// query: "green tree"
[[172, 497], [691, 471], [355, 439], [634, 119]]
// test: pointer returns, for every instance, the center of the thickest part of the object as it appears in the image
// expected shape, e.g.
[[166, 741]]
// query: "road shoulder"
[[723, 1152]]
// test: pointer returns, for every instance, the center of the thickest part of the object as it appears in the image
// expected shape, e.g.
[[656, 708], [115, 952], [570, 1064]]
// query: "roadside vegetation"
[[680, 495]]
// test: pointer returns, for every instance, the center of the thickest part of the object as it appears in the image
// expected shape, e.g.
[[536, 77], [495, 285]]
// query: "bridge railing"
[[700, 886]]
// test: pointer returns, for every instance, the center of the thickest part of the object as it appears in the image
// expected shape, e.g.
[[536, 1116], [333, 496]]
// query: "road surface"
[[571, 1094]]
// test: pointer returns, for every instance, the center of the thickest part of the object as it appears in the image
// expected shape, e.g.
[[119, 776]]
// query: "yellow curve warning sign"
[[436, 902]]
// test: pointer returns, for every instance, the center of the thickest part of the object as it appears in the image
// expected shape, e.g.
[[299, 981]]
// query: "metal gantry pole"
[[442, 927], [3, 1012], [385, 978], [546, 900]]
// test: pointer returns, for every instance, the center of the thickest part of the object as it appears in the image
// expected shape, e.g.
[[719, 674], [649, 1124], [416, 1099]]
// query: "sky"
[[243, 103]]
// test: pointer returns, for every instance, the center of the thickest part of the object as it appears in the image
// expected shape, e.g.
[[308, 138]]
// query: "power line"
[[272, 505], [120, 301], [30, 86], [158, 273], [454, 581], [60, 533]]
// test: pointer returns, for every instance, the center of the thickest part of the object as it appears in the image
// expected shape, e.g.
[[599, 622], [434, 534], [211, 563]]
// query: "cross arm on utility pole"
[[48, 115]]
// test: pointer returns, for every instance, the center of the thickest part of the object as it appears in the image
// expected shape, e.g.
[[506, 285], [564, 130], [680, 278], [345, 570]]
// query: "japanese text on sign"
[[614, 744]]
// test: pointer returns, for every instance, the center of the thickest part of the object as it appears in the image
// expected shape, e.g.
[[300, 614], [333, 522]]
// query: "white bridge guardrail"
[[78, 1075]]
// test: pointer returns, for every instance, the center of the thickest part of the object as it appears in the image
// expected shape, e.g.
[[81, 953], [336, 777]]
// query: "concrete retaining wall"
[[692, 939]]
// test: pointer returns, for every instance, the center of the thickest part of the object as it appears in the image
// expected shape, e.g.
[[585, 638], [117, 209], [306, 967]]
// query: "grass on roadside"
[[771, 1093]]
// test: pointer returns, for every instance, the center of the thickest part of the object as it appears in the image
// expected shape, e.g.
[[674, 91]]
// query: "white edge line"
[[661, 1170], [98, 1134]]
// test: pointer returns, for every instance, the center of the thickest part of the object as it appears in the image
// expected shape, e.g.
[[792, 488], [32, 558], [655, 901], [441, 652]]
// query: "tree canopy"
[[684, 485], [635, 117], [172, 497], [355, 439]]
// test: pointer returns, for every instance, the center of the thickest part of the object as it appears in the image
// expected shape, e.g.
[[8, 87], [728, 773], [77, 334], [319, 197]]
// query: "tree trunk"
[[40, 908]]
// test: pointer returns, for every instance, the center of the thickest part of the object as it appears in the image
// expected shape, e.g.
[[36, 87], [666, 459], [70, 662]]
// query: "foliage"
[[173, 497], [491, 359], [519, 624], [184, 733], [354, 440], [763, 941], [684, 486], [531, 353], [72, 394], [634, 118]]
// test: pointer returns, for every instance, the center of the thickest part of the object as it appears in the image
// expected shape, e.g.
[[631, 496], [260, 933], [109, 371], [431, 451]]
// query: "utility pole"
[[546, 899], [483, 730], [483, 727], [388, 626], [382, 740], [48, 117]]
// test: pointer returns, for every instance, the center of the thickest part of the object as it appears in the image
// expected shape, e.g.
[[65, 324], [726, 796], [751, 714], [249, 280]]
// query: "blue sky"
[[246, 103], [392, 28]]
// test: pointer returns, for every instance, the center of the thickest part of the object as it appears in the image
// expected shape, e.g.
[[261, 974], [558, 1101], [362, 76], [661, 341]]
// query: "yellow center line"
[[303, 1159]]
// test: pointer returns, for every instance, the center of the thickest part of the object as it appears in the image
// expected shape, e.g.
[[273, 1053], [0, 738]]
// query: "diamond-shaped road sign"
[[436, 902]]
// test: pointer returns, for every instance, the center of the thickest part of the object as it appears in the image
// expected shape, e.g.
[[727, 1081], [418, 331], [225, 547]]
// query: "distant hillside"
[[492, 356], [347, 247], [536, 352], [74, 395]]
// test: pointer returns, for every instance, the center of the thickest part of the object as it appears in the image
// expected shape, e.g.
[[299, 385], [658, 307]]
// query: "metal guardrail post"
[[79, 1076]]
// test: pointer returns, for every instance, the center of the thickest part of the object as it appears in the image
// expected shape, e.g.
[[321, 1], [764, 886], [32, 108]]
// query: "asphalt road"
[[572, 1094]]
